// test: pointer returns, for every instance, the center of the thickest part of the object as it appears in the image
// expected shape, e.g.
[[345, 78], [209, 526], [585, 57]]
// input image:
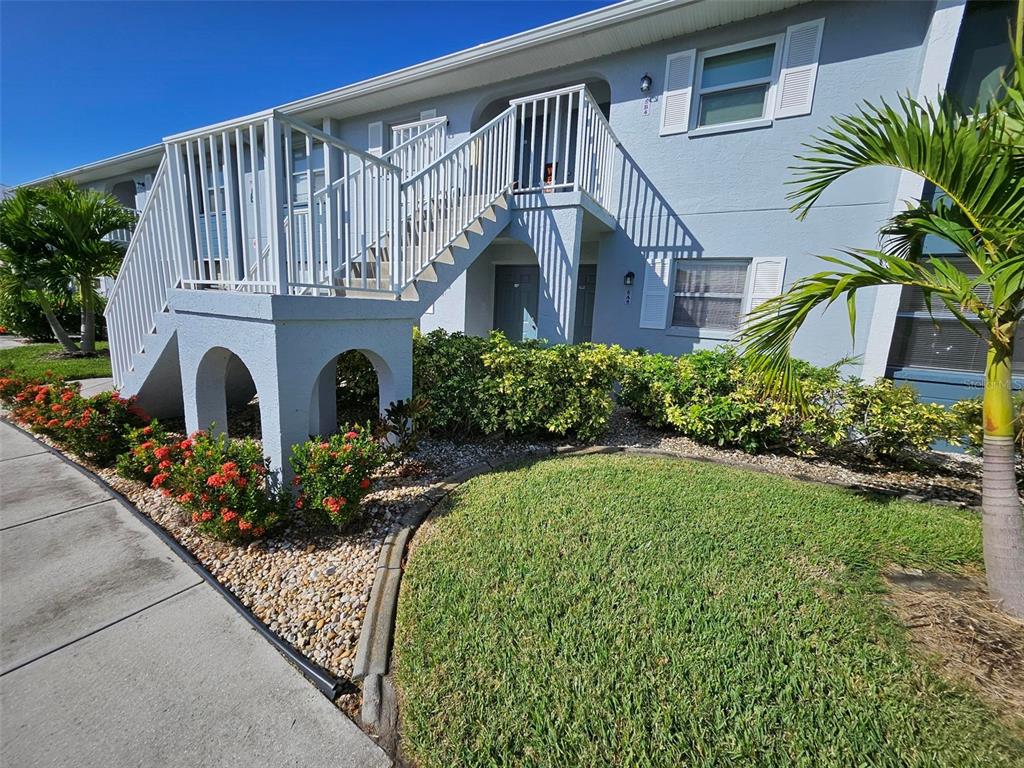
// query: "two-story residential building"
[[619, 176]]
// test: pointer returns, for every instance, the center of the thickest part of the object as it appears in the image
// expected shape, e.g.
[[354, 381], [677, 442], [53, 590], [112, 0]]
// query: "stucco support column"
[[555, 235], [284, 415], [323, 407]]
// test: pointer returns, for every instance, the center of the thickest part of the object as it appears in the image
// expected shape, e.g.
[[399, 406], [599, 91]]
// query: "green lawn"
[[633, 611], [32, 360]]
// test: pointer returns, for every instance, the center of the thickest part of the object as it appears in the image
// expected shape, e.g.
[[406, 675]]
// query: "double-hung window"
[[747, 85], [737, 84], [709, 293]]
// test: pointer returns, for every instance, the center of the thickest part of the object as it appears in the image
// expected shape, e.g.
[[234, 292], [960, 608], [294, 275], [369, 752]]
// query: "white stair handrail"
[[151, 269], [444, 198]]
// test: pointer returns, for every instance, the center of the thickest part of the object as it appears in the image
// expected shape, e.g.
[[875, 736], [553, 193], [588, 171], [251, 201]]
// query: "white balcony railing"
[[564, 143]]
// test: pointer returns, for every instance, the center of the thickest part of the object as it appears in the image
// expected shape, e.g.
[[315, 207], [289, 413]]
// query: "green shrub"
[[151, 450], [486, 386], [357, 381], [710, 397], [448, 371], [558, 390], [22, 316], [707, 396], [94, 428], [969, 424], [333, 474]]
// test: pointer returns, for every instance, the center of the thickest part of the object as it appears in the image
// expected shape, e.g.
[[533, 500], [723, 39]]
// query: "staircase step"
[[410, 293], [460, 242], [489, 214], [429, 274], [477, 228], [445, 257]]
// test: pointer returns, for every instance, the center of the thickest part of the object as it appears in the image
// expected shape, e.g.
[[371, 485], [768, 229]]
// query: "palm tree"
[[976, 163], [28, 264], [75, 224]]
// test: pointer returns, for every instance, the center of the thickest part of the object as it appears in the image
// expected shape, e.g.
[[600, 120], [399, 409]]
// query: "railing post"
[[577, 174], [275, 170], [180, 203]]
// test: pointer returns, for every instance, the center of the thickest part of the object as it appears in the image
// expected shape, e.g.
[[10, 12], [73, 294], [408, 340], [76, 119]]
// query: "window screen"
[[709, 294], [734, 86]]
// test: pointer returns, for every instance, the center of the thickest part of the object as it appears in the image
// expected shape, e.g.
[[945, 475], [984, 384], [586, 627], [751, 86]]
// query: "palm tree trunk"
[[1002, 522], [58, 330], [88, 315]]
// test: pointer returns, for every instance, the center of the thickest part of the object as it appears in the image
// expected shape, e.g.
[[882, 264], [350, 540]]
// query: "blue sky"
[[82, 81]]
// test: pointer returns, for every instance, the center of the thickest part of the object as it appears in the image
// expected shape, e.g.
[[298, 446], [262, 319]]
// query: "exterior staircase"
[[278, 206]]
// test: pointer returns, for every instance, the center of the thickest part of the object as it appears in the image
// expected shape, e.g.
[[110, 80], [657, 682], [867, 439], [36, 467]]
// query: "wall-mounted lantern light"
[[645, 83], [628, 279]]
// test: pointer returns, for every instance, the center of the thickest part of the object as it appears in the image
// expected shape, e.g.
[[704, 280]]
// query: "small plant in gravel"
[[333, 474], [221, 484]]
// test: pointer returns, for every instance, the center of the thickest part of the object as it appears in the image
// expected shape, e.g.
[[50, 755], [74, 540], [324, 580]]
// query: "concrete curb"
[[373, 657]]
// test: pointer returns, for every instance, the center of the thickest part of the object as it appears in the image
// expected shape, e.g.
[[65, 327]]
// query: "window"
[[709, 293], [736, 84], [939, 340], [747, 85]]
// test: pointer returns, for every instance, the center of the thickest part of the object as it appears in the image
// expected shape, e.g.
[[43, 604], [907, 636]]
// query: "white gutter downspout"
[[935, 64]]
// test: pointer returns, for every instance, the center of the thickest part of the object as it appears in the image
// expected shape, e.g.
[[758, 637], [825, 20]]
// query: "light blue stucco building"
[[619, 177]]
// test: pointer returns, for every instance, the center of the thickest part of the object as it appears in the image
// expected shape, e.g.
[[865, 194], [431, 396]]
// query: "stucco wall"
[[720, 195]]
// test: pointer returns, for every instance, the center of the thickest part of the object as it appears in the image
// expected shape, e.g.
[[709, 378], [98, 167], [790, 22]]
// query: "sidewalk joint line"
[[57, 514], [52, 651]]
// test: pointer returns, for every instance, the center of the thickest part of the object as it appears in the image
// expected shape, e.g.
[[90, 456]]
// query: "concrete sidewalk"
[[113, 652]]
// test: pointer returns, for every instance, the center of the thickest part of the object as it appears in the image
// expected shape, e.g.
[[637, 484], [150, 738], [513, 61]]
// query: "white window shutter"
[[766, 276], [678, 92], [428, 114], [654, 304], [376, 145], [799, 69]]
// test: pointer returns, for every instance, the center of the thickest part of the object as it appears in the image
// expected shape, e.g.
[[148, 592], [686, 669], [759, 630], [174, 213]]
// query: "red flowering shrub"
[[95, 428], [333, 474], [151, 449], [221, 484]]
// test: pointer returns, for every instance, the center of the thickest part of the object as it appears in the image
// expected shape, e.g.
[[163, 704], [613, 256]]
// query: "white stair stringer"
[[445, 268]]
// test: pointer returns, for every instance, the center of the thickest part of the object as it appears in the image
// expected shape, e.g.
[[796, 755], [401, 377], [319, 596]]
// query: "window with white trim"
[[746, 85], [709, 293], [736, 84]]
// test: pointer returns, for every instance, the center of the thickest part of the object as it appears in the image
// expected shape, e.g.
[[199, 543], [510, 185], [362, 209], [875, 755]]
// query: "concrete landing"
[[114, 652]]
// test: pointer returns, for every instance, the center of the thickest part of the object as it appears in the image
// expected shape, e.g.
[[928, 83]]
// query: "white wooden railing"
[[440, 201], [275, 205], [564, 143], [152, 267], [419, 145]]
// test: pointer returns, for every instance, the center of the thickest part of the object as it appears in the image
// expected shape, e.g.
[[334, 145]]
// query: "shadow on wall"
[[658, 237], [648, 220]]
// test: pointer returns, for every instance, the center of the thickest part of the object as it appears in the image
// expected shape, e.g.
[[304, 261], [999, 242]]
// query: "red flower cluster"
[[94, 428]]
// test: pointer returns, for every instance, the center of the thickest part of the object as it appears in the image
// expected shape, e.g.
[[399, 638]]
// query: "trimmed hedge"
[[491, 386]]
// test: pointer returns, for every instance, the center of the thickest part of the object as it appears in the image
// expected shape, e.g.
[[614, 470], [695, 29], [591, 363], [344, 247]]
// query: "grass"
[[633, 611], [35, 360]]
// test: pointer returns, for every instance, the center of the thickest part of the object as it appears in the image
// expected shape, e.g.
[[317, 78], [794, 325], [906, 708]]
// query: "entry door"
[[586, 292], [515, 301]]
